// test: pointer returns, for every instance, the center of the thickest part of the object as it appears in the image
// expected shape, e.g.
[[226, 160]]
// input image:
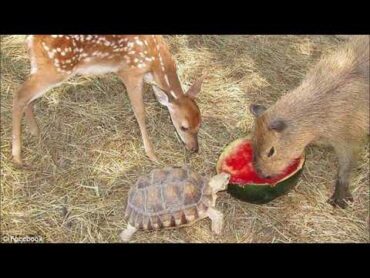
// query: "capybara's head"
[[275, 142]]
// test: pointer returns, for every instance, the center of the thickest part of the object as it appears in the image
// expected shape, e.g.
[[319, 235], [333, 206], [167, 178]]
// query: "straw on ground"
[[91, 152]]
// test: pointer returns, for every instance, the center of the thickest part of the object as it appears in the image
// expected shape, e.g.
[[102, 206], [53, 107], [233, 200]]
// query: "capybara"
[[330, 106]]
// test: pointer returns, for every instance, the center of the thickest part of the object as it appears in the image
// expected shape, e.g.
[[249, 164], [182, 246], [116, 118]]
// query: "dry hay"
[[91, 150]]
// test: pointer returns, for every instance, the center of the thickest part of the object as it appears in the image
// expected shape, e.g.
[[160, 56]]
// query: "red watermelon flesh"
[[239, 164]]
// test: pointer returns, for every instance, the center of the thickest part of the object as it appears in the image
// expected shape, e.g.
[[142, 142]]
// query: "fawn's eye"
[[271, 152], [184, 128]]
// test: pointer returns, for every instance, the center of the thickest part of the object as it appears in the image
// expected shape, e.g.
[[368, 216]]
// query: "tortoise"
[[172, 197]]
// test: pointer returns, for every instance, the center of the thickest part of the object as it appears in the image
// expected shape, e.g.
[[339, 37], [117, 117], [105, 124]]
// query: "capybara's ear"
[[257, 109], [277, 125]]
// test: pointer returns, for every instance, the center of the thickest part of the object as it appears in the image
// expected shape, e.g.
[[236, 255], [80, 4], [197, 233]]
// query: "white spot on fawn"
[[127, 59], [173, 94], [166, 78], [45, 46], [139, 42]]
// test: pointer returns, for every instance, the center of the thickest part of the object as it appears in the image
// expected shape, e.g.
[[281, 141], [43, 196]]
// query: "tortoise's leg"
[[217, 219], [127, 233]]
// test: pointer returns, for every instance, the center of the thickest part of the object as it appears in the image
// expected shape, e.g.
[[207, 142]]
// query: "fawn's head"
[[184, 112]]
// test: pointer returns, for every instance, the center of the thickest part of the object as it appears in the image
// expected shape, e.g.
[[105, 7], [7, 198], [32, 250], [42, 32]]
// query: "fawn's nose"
[[192, 148]]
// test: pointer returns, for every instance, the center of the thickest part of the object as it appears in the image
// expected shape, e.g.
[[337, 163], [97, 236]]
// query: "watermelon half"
[[245, 183]]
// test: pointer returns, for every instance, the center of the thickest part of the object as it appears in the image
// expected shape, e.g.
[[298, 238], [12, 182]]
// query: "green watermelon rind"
[[260, 193]]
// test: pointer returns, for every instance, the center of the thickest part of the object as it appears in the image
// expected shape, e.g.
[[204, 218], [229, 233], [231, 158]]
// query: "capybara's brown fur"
[[330, 106]]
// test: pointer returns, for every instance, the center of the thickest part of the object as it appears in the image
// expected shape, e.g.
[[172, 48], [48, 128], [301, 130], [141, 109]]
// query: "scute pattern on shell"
[[167, 197]]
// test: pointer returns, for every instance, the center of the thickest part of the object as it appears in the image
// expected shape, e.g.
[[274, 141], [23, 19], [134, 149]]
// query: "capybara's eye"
[[271, 152], [184, 128]]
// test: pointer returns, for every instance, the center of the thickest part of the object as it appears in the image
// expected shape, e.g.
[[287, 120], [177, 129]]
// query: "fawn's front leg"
[[134, 84]]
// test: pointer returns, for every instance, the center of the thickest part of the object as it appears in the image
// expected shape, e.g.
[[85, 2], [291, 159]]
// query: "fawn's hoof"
[[35, 132], [153, 157], [341, 202], [19, 164]]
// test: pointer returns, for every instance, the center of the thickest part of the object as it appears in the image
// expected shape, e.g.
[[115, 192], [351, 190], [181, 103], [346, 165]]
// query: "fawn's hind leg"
[[34, 87], [31, 120]]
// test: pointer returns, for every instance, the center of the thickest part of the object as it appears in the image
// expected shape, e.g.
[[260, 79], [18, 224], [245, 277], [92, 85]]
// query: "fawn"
[[134, 58]]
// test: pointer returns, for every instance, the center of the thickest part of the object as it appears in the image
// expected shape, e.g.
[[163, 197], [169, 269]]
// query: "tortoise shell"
[[168, 197]]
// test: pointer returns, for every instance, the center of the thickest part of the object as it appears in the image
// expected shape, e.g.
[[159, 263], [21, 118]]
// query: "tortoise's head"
[[219, 182]]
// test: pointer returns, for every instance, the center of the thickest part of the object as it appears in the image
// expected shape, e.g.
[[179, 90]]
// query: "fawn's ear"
[[194, 90], [257, 109], [277, 125], [161, 96]]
